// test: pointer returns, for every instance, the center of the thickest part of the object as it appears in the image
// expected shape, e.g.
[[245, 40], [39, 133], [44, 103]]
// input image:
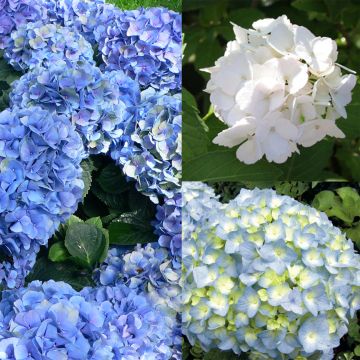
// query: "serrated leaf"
[[85, 243], [112, 180], [88, 168], [58, 252], [131, 229], [112, 201]]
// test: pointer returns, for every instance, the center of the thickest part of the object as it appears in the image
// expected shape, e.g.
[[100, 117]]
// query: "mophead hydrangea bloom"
[[14, 13], [147, 270], [79, 15], [278, 86], [36, 43], [97, 104], [267, 274], [146, 44], [51, 320], [168, 224], [149, 150], [40, 183], [133, 327]]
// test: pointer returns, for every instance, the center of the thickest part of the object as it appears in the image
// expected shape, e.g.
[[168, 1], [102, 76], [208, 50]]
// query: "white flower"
[[278, 85]]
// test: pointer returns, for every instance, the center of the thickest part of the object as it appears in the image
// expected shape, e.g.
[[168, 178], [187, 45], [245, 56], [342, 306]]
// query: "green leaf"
[[309, 164], [95, 221], [194, 130], [112, 180], [245, 17], [357, 350], [310, 5], [222, 165], [61, 232], [86, 243], [58, 252], [131, 229], [223, 355], [354, 234], [67, 271], [87, 167]]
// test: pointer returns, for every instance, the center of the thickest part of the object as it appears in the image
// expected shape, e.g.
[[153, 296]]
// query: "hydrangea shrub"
[[267, 274], [278, 86]]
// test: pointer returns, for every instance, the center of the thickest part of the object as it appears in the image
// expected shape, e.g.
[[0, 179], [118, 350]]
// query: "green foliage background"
[[133, 4], [341, 202], [207, 28]]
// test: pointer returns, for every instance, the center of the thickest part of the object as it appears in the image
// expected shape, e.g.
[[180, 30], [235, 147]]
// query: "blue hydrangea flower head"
[[265, 273], [36, 43], [99, 105], [150, 149], [14, 13], [147, 270], [145, 43], [40, 183], [79, 15]]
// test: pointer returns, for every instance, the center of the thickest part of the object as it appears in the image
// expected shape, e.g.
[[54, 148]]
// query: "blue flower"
[[40, 181], [145, 43], [99, 105], [149, 150], [35, 44]]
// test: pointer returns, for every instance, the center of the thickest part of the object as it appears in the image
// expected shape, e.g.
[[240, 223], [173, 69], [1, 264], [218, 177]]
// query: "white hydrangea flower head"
[[267, 274], [276, 87]]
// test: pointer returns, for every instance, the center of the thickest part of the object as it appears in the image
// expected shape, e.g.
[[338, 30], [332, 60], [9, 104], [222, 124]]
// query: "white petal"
[[295, 72], [303, 39], [234, 115], [222, 100], [281, 39], [286, 129], [241, 34], [341, 96], [276, 148], [236, 134], [321, 93], [249, 152]]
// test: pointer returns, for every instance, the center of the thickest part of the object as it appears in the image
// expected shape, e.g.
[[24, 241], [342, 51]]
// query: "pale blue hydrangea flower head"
[[99, 105], [36, 43], [266, 273], [168, 225], [40, 183], [14, 13], [150, 149], [145, 43]]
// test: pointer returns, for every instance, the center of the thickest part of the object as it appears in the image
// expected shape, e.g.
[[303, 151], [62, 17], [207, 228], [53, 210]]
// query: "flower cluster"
[[14, 13], [35, 44], [268, 274], [145, 43], [96, 103], [150, 149], [147, 270], [40, 182], [79, 15], [51, 320], [168, 224], [278, 86]]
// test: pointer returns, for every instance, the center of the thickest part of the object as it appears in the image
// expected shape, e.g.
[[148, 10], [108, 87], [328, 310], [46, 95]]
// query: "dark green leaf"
[[85, 242], [68, 272], [112, 180], [310, 5], [88, 168], [131, 229], [222, 165], [245, 17]]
